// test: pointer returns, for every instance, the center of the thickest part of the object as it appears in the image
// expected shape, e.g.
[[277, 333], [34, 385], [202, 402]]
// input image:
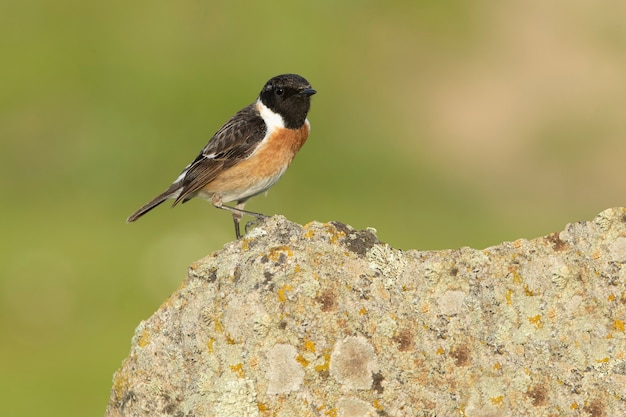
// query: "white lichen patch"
[[261, 324], [235, 398], [433, 271], [560, 274], [451, 302], [257, 232], [353, 361], [283, 372], [353, 407], [387, 326], [236, 308], [388, 261], [617, 249], [308, 286], [491, 390], [606, 219]]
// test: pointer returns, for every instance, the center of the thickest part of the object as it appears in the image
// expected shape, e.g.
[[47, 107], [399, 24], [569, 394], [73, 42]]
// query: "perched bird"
[[249, 153]]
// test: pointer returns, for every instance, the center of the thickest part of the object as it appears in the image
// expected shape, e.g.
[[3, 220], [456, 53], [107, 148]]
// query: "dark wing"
[[235, 141]]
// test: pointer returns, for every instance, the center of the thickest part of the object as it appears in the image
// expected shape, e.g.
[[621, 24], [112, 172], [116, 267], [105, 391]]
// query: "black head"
[[290, 96]]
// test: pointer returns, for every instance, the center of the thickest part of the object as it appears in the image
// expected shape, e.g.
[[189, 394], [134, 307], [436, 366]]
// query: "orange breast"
[[266, 164]]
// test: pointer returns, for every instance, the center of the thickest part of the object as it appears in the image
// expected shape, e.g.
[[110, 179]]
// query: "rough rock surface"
[[324, 320]]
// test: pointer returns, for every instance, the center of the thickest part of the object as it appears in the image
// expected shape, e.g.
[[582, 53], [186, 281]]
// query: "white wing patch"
[[182, 174]]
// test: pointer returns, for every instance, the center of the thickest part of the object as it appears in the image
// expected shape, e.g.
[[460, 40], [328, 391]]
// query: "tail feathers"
[[169, 193]]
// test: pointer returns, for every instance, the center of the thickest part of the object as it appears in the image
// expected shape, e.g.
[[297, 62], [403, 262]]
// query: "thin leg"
[[237, 212], [237, 217], [237, 231], [241, 211]]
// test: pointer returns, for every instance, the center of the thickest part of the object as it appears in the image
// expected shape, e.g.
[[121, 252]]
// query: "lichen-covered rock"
[[323, 320]]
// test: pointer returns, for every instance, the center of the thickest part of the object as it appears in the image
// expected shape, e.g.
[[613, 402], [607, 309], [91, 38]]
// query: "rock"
[[324, 320]]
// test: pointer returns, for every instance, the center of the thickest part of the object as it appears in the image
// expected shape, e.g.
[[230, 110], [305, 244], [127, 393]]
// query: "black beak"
[[307, 92]]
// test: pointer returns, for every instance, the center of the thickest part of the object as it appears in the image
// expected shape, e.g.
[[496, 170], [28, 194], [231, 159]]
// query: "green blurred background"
[[441, 124]]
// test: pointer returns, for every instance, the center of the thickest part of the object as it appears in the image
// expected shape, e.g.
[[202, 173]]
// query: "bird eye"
[[279, 91]]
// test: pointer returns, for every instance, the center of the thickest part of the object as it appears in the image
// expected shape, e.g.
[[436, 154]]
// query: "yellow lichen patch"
[[497, 400], [603, 360], [144, 339], [230, 340], [326, 365], [331, 413], [497, 366], [611, 297], [297, 269], [302, 360], [618, 325], [536, 320], [440, 351], [377, 405], [509, 292], [574, 406], [528, 292], [121, 384], [275, 253], [282, 296], [209, 345], [245, 244], [309, 345], [362, 311], [219, 327], [262, 407], [517, 278], [335, 234], [238, 370]]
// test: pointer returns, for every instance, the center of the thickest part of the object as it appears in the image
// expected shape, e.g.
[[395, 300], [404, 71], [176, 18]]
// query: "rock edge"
[[325, 320]]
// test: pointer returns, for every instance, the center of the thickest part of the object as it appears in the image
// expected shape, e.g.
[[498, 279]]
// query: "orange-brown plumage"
[[269, 160], [249, 153]]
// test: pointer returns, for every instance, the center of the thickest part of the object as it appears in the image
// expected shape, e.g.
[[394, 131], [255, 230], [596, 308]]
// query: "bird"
[[249, 153]]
